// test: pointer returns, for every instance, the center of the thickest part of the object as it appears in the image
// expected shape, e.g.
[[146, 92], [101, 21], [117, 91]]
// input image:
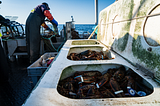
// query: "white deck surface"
[[45, 93]]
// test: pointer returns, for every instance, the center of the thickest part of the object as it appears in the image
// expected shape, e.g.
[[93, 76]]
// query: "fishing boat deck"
[[16, 90]]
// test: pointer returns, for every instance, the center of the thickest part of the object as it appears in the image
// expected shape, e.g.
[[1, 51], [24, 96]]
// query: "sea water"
[[80, 28]]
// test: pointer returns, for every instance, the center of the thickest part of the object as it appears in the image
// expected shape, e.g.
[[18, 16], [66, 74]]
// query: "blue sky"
[[83, 11]]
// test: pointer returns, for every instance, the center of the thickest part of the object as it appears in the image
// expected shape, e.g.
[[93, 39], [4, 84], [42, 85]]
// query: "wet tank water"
[[129, 30]]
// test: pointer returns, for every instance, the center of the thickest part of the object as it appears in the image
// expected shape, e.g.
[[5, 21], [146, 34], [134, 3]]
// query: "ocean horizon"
[[80, 28]]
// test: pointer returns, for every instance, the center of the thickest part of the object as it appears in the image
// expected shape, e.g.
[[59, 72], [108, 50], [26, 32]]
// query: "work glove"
[[54, 22]]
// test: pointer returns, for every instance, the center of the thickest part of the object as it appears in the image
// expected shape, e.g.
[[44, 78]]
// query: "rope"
[[132, 19], [55, 30], [124, 21], [54, 47]]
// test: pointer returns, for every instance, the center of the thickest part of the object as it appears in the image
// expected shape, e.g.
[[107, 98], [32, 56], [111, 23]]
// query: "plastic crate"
[[35, 71]]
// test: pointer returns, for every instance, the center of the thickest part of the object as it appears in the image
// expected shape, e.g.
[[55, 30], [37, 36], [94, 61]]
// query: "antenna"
[[72, 18]]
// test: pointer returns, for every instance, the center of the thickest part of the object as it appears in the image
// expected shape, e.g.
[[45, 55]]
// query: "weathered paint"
[[131, 34], [145, 6], [85, 42], [67, 72], [151, 31], [46, 94], [148, 59], [125, 9]]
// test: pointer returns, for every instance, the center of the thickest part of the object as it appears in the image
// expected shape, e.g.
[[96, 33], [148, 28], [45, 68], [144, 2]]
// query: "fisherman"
[[74, 34], [32, 29], [4, 63]]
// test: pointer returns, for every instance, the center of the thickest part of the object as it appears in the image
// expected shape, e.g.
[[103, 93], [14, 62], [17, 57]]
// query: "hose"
[[52, 43], [55, 30]]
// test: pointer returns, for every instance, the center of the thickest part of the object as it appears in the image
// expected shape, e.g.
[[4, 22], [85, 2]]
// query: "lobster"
[[68, 87], [73, 56], [92, 90], [92, 84], [107, 93], [82, 92], [87, 76], [114, 82], [88, 55], [116, 88], [128, 85]]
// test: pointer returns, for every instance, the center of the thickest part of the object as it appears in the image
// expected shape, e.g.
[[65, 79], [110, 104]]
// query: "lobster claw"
[[104, 80], [107, 93], [79, 78], [82, 92], [119, 74], [116, 88], [130, 83]]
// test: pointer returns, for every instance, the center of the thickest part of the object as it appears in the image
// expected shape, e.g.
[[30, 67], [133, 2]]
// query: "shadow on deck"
[[17, 89]]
